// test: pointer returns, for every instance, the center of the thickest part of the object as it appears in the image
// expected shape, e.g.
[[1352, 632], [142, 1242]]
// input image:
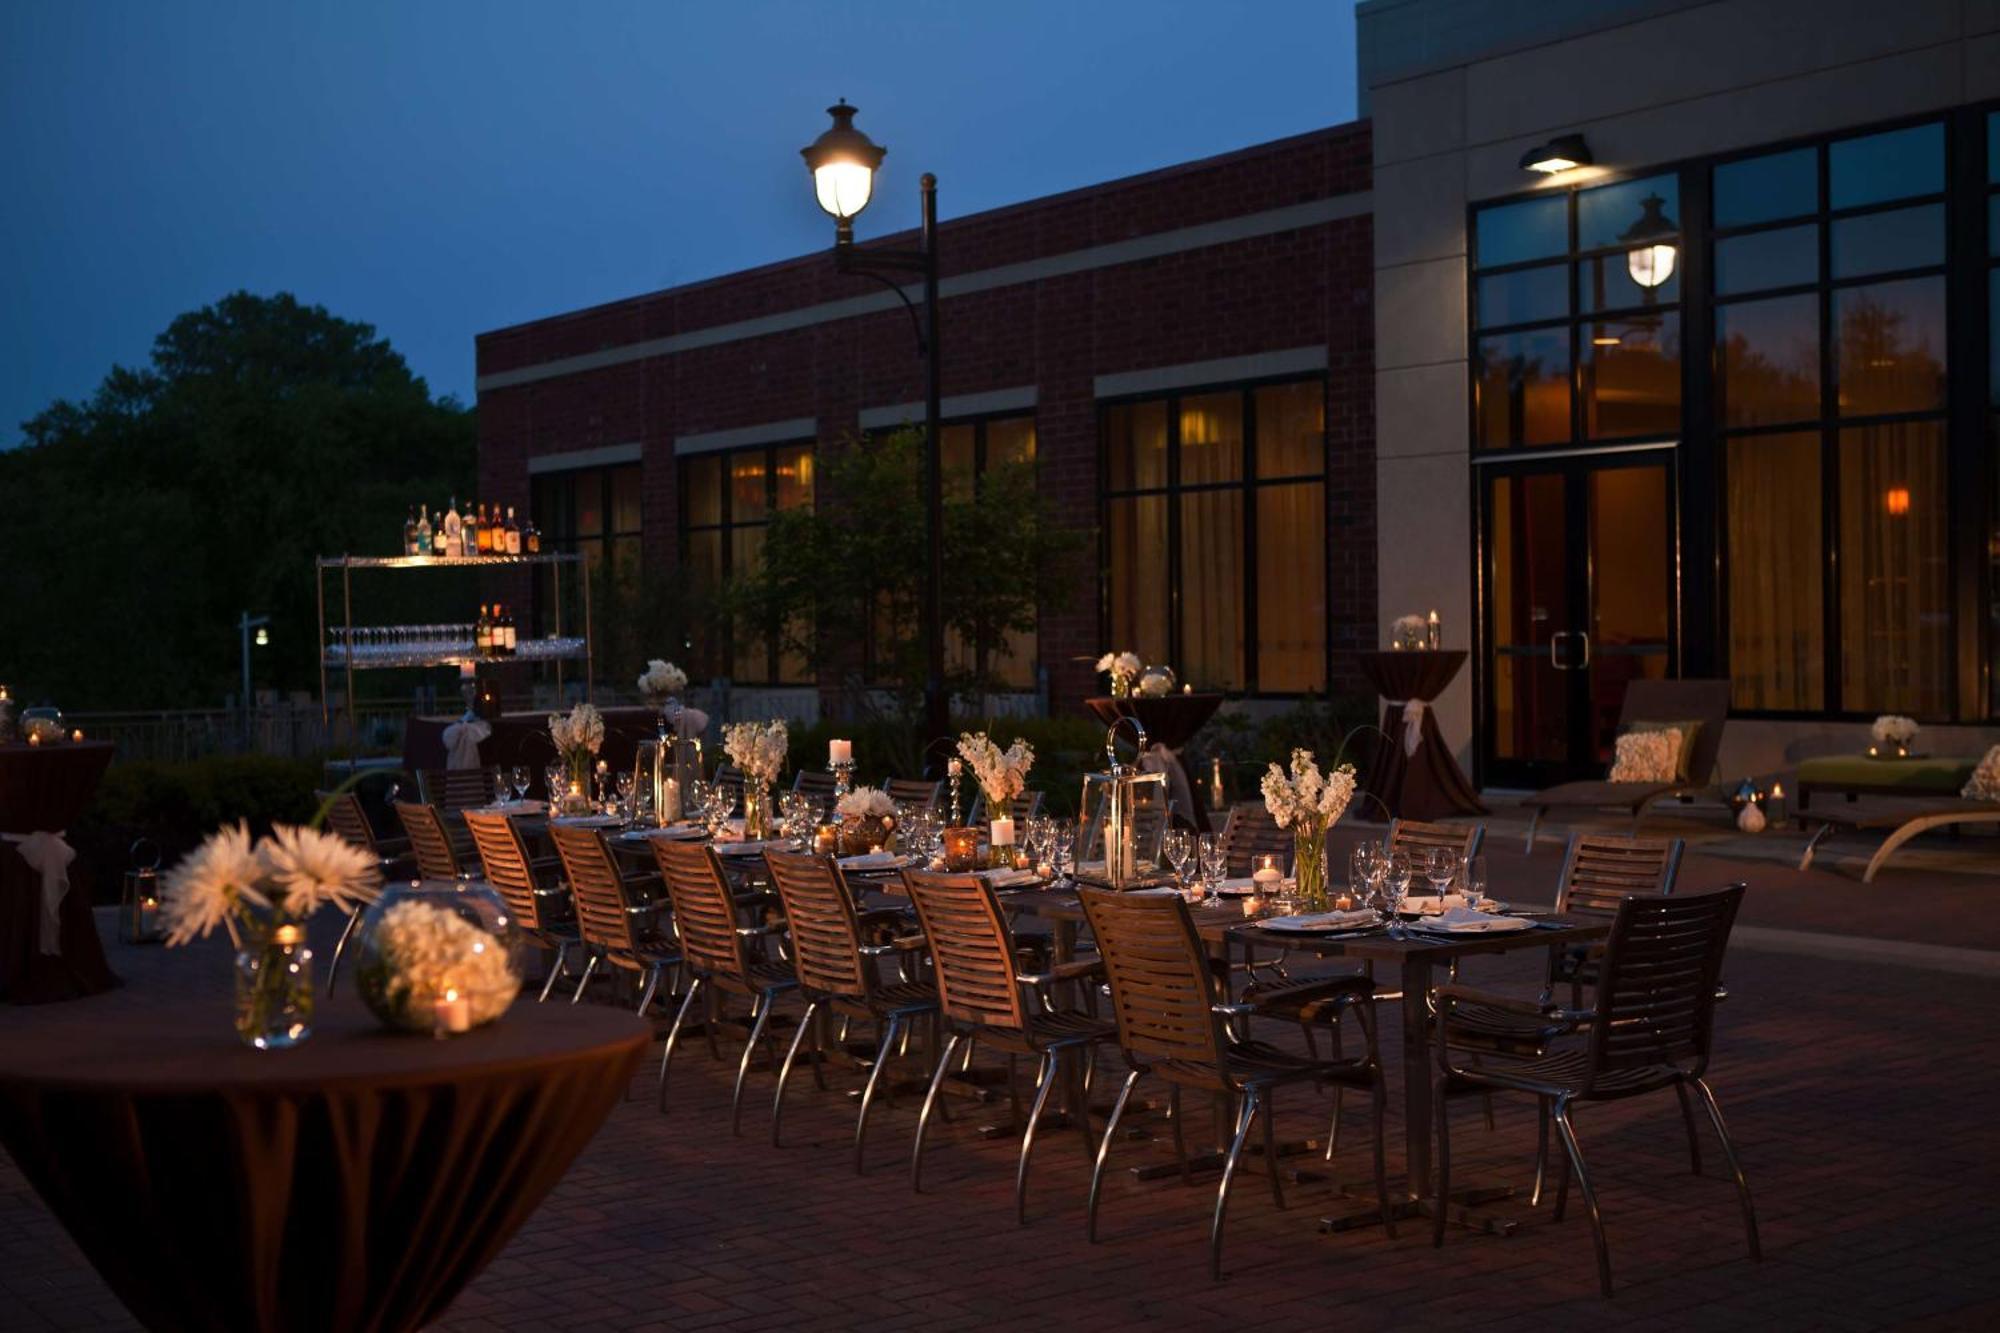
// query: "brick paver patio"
[[1860, 1095]]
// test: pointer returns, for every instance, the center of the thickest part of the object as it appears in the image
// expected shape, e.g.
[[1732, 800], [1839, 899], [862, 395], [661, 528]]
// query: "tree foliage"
[[843, 581], [137, 525]]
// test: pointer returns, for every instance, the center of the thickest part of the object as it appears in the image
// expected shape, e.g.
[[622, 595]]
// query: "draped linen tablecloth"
[[1412, 772], [523, 738], [49, 949], [1170, 720], [357, 1182]]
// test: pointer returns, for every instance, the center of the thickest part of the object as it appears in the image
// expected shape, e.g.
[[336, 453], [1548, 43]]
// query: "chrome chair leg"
[[785, 1069], [1244, 1120], [340, 946], [890, 1032], [674, 1034], [589, 970], [1271, 1151], [760, 1015], [652, 989], [1442, 1197], [1104, 1147], [1575, 1152], [1687, 1119], [1046, 1081], [1541, 1151], [1735, 1166], [557, 967], [924, 1116]]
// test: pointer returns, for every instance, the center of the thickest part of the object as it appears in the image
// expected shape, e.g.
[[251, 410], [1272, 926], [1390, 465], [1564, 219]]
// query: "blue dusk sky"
[[441, 167]]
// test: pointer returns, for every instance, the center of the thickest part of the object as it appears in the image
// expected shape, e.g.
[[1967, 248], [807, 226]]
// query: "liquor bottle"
[[454, 531], [438, 545], [421, 543], [484, 536], [410, 531], [532, 540], [482, 634], [507, 641], [513, 533]]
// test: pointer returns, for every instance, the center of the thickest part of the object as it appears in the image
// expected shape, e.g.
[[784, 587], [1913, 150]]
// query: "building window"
[[971, 448], [1993, 413], [727, 499], [1576, 315], [1829, 290], [595, 511], [1215, 551]]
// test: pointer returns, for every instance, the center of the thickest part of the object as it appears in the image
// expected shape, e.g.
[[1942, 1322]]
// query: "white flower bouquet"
[[424, 953], [662, 681], [1123, 668], [867, 820], [1001, 774], [865, 803], [579, 735], [1308, 803], [758, 748], [1411, 631], [1896, 731]]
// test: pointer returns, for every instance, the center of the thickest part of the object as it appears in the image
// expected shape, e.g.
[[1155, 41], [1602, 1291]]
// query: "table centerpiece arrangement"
[[1002, 775], [438, 957], [578, 737], [1124, 669], [1894, 735], [867, 818], [1308, 803], [758, 748]]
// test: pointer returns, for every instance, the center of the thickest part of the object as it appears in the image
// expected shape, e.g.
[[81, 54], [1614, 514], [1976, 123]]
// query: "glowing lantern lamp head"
[[1651, 260], [843, 162]]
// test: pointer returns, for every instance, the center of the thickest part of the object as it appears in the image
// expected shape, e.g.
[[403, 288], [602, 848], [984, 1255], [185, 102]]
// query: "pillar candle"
[[839, 752], [1002, 833]]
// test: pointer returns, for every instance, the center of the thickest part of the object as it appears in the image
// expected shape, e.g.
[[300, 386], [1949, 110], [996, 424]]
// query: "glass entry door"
[[1580, 600]]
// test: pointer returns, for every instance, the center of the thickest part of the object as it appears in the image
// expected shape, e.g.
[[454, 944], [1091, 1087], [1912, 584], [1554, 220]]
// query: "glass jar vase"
[[1309, 870], [438, 957], [756, 810], [274, 986]]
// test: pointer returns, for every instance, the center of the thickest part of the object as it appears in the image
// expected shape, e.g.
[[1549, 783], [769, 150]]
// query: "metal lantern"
[[662, 772], [139, 907], [1124, 819]]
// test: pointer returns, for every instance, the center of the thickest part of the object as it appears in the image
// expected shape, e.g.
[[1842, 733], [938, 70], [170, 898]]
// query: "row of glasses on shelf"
[[376, 643]]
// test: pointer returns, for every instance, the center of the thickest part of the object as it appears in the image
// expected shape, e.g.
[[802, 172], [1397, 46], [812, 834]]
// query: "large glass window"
[[971, 450], [727, 500], [595, 511], [1215, 534], [1992, 640], [1577, 306], [1830, 396]]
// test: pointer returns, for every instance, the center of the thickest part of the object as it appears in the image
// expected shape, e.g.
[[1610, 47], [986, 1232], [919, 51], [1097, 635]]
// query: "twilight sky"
[[441, 168]]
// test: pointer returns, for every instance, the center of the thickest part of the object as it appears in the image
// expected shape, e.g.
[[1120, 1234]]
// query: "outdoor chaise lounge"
[[1903, 823], [1650, 701]]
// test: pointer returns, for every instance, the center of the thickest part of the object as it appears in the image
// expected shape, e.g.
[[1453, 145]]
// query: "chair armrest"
[[768, 928], [1453, 993], [1089, 967], [1233, 1010], [901, 944]]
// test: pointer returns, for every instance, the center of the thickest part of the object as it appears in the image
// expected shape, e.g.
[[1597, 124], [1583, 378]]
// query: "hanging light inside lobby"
[[1651, 260]]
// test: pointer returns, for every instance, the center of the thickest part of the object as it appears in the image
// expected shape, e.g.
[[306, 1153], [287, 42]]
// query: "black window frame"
[[553, 509], [726, 527]]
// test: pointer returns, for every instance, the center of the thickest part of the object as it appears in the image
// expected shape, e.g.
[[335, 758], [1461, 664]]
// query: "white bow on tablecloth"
[[461, 743], [1413, 723], [48, 855], [1157, 758]]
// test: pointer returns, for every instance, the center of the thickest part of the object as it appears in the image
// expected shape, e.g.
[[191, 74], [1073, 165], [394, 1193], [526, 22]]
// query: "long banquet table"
[[358, 1181]]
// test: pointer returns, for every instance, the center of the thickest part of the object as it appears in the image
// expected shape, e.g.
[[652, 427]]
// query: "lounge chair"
[[1903, 823], [1703, 701]]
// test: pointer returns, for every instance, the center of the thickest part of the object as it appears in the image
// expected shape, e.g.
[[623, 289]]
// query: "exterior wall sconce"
[[1559, 154], [1897, 501]]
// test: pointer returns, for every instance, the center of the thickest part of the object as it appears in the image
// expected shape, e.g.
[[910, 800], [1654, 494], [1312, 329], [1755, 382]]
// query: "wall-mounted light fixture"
[[1559, 154], [1897, 501]]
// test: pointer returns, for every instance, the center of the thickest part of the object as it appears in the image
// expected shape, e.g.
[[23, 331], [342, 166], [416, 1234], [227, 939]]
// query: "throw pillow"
[[1984, 784], [1685, 756], [1646, 756]]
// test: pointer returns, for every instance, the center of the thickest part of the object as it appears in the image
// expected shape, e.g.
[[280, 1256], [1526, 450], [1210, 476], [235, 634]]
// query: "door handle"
[[1584, 634], [1555, 654]]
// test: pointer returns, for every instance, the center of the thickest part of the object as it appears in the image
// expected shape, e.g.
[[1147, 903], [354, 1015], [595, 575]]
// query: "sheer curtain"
[[1777, 552]]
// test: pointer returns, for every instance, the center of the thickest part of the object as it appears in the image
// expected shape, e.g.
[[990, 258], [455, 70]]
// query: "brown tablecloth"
[[1428, 784], [357, 1182], [44, 789], [523, 738], [1171, 720]]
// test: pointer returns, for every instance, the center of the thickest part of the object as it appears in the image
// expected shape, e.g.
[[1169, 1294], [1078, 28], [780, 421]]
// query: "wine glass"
[[1475, 882], [1440, 868], [694, 801], [721, 801], [624, 786], [1214, 859], [1062, 848], [556, 776], [1396, 871], [521, 778], [1179, 846], [500, 788]]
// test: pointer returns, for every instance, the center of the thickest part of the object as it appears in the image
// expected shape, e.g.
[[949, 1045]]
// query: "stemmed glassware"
[[557, 778], [1178, 845], [1475, 882], [1441, 868], [1214, 860], [1062, 848], [520, 777], [624, 786], [721, 801], [1395, 872]]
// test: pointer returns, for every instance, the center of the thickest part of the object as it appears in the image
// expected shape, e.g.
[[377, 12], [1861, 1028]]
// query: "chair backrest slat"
[[1250, 832], [503, 857], [1656, 982], [1602, 870], [345, 816], [813, 782], [971, 948], [1415, 838], [704, 908], [1162, 992], [429, 841], [819, 912], [915, 791], [596, 887], [457, 788]]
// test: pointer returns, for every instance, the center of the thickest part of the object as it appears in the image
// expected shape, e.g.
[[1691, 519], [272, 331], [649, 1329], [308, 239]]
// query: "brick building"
[[1187, 355]]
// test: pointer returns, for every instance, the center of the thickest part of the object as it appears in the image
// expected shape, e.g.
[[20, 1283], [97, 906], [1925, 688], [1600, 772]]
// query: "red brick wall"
[[1269, 293]]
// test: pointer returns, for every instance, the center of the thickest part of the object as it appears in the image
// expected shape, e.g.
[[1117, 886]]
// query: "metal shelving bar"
[[447, 562]]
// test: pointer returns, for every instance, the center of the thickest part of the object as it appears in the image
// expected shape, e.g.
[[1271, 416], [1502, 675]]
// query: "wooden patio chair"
[[915, 791], [540, 912], [1650, 701], [1650, 1027], [816, 783], [349, 821], [1250, 832], [837, 972], [716, 952], [614, 925], [984, 999], [430, 842], [454, 789], [1414, 839], [1171, 1023]]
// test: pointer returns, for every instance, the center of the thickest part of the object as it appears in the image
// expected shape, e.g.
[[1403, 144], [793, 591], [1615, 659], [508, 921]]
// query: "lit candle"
[[1002, 832], [1431, 638], [1267, 874], [452, 1013], [34, 738], [149, 915], [955, 767], [839, 752], [76, 735], [1188, 688], [1344, 903], [288, 935], [825, 838]]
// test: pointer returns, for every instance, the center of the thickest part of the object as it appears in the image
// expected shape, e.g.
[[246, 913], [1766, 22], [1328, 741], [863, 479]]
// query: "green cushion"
[[1688, 730], [1859, 770]]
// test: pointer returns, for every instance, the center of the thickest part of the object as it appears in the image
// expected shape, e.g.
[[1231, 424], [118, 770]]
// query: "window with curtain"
[[1576, 315], [727, 499], [1993, 413], [1830, 363], [1215, 534], [595, 511]]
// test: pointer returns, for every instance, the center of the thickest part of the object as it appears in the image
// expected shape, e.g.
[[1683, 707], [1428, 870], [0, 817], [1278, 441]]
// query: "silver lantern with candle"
[[662, 772], [1124, 819], [139, 906]]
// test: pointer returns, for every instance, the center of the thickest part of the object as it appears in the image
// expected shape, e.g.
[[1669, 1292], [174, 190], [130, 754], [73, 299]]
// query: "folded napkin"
[[870, 861], [1236, 887], [740, 848], [1432, 905], [1360, 916], [588, 821], [1464, 920], [513, 808], [1010, 879]]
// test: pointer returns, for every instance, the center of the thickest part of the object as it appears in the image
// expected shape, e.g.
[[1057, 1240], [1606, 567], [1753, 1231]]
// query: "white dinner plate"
[[1499, 925]]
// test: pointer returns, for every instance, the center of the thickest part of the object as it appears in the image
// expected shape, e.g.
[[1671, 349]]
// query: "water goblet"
[[1178, 845], [1396, 871], [500, 788], [1214, 859], [1441, 868], [557, 778], [624, 787], [1062, 849], [1474, 881], [520, 778]]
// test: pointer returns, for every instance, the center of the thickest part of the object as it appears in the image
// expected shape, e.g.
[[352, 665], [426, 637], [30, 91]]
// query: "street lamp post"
[[843, 162], [244, 629]]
